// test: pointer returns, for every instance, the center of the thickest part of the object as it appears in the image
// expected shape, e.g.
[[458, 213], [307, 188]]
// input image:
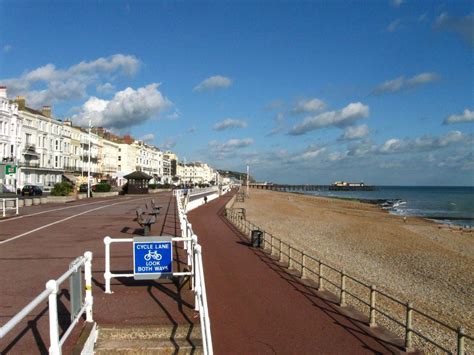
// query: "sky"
[[303, 92]]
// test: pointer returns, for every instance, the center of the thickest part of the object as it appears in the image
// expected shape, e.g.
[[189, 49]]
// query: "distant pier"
[[290, 188]]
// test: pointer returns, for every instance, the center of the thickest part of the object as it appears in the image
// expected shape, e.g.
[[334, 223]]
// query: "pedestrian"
[[205, 199]]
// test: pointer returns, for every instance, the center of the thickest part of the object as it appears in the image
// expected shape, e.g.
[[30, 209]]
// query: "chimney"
[[20, 100], [68, 122], [3, 92], [46, 111]]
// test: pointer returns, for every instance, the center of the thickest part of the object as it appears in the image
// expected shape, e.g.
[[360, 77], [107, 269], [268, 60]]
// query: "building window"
[[56, 162]]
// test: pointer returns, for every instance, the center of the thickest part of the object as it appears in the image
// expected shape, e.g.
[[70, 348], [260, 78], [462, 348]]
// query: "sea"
[[451, 205]]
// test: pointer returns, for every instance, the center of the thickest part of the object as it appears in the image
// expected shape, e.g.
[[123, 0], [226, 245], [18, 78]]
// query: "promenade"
[[255, 305], [40, 244], [258, 307]]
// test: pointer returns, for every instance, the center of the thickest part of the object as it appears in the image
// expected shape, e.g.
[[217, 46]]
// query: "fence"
[[194, 261], [380, 307], [13, 202], [79, 305]]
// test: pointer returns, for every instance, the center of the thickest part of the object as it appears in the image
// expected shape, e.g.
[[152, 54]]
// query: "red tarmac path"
[[257, 307]]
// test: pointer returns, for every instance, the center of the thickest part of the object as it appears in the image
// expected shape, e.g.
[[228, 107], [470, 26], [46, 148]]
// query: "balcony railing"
[[29, 164]]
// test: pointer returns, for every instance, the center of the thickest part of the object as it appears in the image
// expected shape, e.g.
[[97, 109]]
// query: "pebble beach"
[[415, 259]]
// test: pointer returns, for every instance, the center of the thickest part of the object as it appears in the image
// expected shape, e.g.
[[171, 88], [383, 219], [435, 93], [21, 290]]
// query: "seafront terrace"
[[255, 304]]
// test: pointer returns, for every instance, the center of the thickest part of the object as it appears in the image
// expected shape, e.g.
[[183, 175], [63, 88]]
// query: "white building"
[[10, 139], [196, 173]]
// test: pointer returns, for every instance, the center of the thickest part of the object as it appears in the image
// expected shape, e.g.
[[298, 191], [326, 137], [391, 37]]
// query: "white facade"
[[10, 138], [196, 173]]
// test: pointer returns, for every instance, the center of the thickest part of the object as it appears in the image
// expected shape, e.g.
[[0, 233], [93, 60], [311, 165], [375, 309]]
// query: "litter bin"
[[257, 238]]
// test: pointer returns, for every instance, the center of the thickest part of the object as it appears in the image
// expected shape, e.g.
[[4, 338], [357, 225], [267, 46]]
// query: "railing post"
[[461, 336], [372, 322], [342, 299], [53, 318], [107, 275], [271, 244], [17, 205], [409, 327], [88, 281], [279, 250], [193, 261], [320, 276], [303, 266], [290, 264]]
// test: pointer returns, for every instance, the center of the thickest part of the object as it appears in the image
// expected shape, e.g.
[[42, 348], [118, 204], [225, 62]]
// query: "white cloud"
[[106, 88], [461, 25], [47, 84], [309, 105], [397, 3], [214, 82], [422, 78], [394, 25], [222, 150], [229, 123], [168, 144], [466, 116], [421, 144], [148, 137], [127, 108], [355, 132], [340, 118], [192, 129], [7, 48], [401, 83]]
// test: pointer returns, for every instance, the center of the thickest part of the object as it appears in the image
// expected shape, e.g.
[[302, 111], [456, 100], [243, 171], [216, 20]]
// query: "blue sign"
[[152, 257]]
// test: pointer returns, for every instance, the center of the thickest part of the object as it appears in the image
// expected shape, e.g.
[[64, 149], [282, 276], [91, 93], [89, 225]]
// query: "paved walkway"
[[40, 245], [257, 307]]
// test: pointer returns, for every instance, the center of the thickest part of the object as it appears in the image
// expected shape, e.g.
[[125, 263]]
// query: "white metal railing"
[[5, 207], [194, 261], [51, 293], [194, 252], [200, 191]]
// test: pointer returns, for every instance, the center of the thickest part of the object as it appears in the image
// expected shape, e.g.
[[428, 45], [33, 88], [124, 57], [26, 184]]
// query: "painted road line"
[[55, 209], [66, 219]]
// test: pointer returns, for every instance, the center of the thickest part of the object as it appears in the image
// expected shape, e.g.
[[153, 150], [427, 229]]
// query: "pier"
[[297, 188]]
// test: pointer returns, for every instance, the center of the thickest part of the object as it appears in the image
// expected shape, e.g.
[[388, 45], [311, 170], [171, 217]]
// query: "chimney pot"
[[46, 111]]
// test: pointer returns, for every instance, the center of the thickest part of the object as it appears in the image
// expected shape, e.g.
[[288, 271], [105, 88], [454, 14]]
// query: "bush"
[[152, 186], [103, 187], [61, 189]]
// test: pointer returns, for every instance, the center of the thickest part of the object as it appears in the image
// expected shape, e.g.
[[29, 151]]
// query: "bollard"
[[372, 306], [409, 327], [461, 336], [342, 298], [320, 277]]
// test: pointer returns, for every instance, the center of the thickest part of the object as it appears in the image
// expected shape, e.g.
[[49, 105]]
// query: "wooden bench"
[[145, 221], [153, 210]]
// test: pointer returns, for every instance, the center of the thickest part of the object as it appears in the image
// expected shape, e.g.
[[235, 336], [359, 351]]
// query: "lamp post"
[[89, 163]]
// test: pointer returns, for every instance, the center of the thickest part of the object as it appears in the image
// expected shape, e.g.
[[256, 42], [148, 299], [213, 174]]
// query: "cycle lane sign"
[[152, 257]]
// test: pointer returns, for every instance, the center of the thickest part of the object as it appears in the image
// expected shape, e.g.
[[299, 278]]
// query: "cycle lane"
[[257, 307]]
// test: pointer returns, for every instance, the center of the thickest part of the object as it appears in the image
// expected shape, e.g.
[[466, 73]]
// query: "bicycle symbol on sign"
[[153, 255]]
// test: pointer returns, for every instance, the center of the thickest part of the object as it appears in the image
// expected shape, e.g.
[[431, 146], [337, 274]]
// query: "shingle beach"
[[427, 263]]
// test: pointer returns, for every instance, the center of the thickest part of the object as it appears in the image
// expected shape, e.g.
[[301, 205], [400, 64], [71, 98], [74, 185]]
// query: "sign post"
[[152, 257]]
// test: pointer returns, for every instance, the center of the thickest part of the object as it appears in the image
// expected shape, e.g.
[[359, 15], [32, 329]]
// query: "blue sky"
[[303, 92]]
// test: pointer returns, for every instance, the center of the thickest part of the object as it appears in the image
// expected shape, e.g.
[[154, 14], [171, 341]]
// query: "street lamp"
[[89, 163]]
